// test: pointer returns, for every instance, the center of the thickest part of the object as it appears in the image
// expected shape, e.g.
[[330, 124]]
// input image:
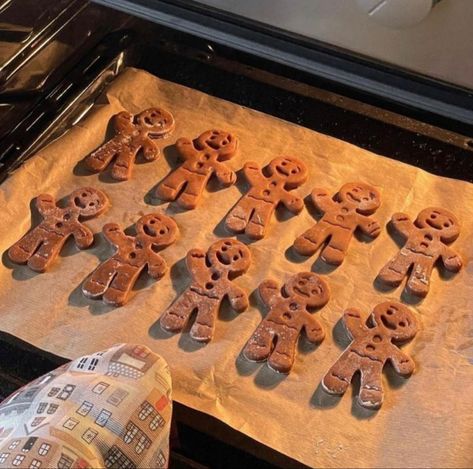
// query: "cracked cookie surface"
[[211, 273], [275, 339], [40, 247], [254, 210], [114, 278], [374, 343], [347, 212], [427, 240]]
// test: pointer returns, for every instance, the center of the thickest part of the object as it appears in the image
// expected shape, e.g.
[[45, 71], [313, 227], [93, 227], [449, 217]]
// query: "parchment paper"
[[425, 421]]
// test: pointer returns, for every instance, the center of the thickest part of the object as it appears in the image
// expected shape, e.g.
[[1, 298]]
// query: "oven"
[[340, 68]]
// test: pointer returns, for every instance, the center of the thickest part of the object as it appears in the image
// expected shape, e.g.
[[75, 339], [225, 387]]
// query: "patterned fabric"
[[110, 409]]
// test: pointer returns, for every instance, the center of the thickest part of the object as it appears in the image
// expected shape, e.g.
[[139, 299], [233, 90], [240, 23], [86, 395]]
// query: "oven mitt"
[[109, 409]]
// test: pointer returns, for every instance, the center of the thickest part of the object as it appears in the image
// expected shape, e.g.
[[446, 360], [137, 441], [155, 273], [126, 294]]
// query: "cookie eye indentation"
[[287, 315], [209, 285]]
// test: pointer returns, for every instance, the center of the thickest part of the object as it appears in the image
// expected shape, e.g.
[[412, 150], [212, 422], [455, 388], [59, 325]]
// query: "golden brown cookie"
[[201, 157], [133, 133], [40, 247], [113, 279], [426, 243], [253, 211], [342, 216], [276, 337], [212, 275], [373, 344]]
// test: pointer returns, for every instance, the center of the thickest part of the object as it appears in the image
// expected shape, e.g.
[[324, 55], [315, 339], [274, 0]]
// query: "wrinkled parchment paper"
[[426, 421]]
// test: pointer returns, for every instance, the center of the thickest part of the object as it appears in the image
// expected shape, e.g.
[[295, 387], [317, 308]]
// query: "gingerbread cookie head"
[[156, 122], [365, 198], [156, 229], [224, 143], [230, 255], [309, 288], [290, 169], [396, 320], [88, 201], [441, 221]]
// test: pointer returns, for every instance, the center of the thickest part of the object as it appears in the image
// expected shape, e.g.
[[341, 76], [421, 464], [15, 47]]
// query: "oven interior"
[[57, 56]]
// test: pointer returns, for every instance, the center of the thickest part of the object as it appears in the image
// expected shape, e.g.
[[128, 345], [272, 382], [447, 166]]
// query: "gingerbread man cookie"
[[113, 279], [133, 133], [342, 216], [211, 274], [373, 345], [254, 210], [289, 313], [427, 240], [202, 157], [40, 247]]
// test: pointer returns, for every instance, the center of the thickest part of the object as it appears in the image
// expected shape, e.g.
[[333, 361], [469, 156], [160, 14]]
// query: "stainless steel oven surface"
[[432, 38]]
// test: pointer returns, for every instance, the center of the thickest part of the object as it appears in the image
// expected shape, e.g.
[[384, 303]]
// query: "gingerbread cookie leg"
[[259, 346], [282, 357], [259, 220], [336, 249], [371, 386], [175, 318], [96, 285], [203, 328], [170, 187], [123, 166], [339, 377], [309, 242], [100, 159], [47, 252], [119, 289], [237, 219], [22, 250], [395, 270], [192, 192], [419, 280]]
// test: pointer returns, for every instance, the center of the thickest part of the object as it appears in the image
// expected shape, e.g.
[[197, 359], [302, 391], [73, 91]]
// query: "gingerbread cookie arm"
[[196, 265], [186, 149], [157, 266], [123, 123], [114, 234], [150, 149], [313, 329], [354, 323], [225, 176], [322, 200], [292, 202], [238, 298], [45, 204], [253, 173], [369, 226], [402, 363], [402, 224], [83, 236], [450, 259], [269, 292]]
